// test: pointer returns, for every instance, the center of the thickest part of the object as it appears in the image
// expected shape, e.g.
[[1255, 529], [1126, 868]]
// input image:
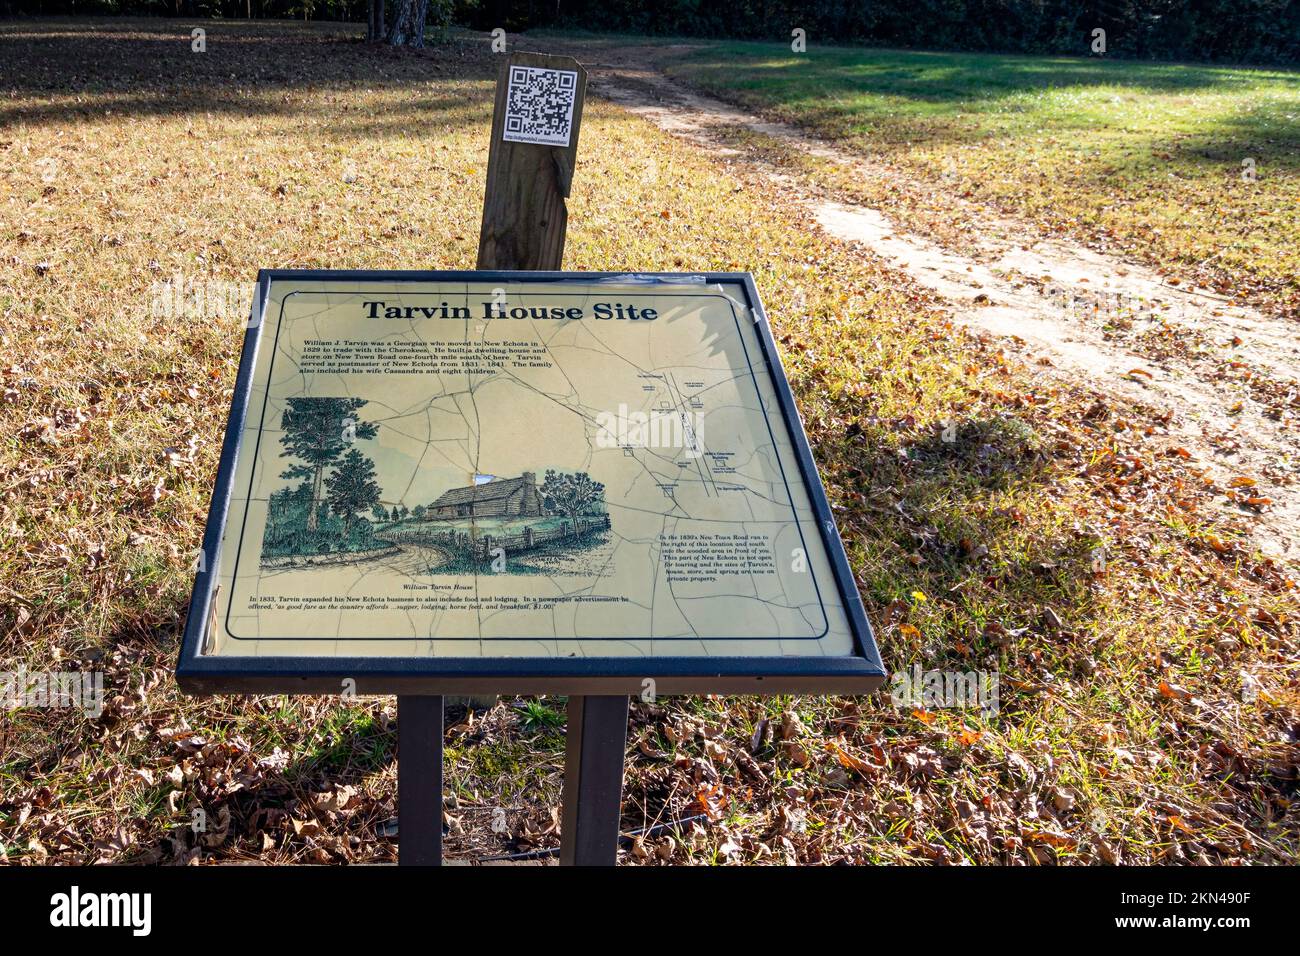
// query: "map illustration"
[[540, 470]]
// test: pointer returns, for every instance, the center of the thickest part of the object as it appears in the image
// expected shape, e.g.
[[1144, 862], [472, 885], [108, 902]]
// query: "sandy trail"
[[1223, 371], [416, 558]]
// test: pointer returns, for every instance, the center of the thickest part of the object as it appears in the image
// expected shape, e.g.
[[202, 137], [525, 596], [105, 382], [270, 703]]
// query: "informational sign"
[[519, 482]]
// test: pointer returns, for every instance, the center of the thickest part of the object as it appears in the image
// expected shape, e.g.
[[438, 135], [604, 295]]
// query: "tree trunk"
[[401, 23], [417, 27], [313, 516]]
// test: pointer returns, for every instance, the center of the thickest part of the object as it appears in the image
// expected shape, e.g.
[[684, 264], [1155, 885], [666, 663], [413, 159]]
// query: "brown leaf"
[[1053, 838], [791, 726], [850, 761], [1173, 691], [305, 827]]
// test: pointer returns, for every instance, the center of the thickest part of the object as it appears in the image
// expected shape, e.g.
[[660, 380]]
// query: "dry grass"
[[1123, 732]]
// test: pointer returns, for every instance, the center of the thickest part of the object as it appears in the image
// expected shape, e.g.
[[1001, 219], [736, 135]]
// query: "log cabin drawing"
[[504, 497]]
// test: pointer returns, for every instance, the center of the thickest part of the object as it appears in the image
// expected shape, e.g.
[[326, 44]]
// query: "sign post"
[[593, 780], [521, 482], [533, 153], [419, 780], [531, 160]]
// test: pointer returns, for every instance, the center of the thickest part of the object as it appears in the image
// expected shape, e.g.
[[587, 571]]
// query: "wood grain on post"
[[524, 211], [525, 216]]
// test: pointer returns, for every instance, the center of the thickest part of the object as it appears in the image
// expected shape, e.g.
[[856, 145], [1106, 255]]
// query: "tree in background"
[[572, 493], [318, 431], [375, 28], [352, 487], [1240, 30], [1247, 30], [410, 21]]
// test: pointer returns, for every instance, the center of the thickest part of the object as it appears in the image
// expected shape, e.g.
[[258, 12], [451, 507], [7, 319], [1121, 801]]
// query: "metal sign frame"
[[859, 673]]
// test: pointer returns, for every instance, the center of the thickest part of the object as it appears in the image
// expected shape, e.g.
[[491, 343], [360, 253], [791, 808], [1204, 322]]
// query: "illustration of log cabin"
[[504, 497]]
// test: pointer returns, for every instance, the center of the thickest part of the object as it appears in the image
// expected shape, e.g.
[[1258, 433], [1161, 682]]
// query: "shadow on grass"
[[956, 513], [81, 70]]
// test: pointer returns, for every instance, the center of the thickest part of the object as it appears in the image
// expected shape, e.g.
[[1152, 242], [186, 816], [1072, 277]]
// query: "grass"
[[1147, 657], [536, 715], [1143, 158]]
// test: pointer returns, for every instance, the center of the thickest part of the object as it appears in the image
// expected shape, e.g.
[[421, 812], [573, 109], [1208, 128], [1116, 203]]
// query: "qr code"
[[539, 106]]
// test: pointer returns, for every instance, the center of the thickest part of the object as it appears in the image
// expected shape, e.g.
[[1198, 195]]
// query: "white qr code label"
[[539, 106]]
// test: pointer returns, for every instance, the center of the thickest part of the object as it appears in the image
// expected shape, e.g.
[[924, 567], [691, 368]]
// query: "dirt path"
[[416, 558], [1228, 375]]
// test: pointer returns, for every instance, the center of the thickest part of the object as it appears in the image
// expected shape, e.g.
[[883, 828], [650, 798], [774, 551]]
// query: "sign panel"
[[519, 482]]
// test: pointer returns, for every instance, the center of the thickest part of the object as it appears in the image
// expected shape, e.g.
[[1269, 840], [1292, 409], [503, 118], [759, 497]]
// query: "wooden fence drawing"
[[481, 547]]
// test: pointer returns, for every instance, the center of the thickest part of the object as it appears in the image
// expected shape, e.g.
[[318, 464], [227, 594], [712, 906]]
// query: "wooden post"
[[525, 217], [419, 781], [524, 212], [593, 780], [531, 160]]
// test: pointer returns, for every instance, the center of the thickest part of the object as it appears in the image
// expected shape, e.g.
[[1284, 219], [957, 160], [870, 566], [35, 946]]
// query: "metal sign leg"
[[593, 780], [419, 781]]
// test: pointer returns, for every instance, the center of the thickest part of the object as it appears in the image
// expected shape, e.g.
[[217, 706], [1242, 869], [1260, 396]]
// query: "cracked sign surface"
[[525, 470]]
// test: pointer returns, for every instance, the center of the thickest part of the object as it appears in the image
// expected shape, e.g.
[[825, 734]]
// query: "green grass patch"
[[1194, 168]]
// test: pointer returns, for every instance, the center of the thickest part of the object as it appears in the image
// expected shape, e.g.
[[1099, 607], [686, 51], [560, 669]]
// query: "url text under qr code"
[[539, 106]]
